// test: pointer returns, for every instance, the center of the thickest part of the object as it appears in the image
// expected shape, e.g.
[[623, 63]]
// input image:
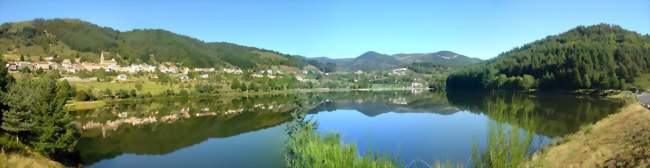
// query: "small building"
[[300, 78], [399, 71], [12, 67], [122, 77], [183, 77], [205, 76], [232, 70]]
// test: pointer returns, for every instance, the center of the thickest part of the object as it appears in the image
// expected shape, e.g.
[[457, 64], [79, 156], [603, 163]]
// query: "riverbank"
[[620, 140], [26, 159], [88, 105]]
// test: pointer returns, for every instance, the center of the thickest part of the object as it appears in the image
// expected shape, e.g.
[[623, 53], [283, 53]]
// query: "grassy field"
[[86, 105], [147, 86]]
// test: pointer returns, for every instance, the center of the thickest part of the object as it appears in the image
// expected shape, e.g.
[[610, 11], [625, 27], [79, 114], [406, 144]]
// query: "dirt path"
[[620, 140]]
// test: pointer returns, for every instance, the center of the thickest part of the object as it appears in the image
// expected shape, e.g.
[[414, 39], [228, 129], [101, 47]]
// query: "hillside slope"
[[595, 57], [71, 38]]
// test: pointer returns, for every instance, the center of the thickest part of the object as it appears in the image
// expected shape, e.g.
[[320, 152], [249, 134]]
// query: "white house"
[[399, 71], [232, 70], [122, 77], [205, 76]]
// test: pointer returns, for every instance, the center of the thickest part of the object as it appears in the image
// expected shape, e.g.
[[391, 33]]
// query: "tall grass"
[[509, 146], [10, 143], [308, 149]]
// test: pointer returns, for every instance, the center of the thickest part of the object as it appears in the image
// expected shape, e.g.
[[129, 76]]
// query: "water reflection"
[[414, 125], [376, 103], [555, 114], [189, 126]]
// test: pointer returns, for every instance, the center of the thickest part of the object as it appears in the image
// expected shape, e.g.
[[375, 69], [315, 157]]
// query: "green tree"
[[37, 115], [122, 94], [5, 78], [56, 131], [235, 85], [243, 87], [133, 93], [82, 96], [108, 94], [5, 81], [21, 100], [582, 58], [528, 82]]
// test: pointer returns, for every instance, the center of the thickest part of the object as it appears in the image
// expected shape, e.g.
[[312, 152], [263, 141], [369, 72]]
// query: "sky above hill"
[[344, 28]]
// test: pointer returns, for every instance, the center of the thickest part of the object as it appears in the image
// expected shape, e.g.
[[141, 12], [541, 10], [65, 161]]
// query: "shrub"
[[85, 95], [122, 94], [138, 86]]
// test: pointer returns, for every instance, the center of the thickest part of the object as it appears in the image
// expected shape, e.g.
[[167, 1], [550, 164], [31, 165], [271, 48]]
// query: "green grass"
[[16, 154], [147, 86], [84, 105], [308, 149], [8, 142]]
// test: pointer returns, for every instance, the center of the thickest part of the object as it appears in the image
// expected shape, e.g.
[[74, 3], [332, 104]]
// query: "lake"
[[416, 127]]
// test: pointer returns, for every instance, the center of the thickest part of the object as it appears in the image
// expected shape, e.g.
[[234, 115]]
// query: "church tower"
[[101, 57]]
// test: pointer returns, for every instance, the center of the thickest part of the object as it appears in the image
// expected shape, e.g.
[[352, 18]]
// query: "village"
[[71, 70], [72, 67]]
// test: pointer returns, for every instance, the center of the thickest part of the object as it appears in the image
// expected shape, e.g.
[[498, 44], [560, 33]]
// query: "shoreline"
[[621, 139], [88, 105]]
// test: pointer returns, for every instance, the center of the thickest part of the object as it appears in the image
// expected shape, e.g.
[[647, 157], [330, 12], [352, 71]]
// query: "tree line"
[[595, 57], [32, 112]]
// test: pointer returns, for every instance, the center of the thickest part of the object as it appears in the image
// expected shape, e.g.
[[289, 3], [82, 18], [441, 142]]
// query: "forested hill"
[[71, 38], [594, 57]]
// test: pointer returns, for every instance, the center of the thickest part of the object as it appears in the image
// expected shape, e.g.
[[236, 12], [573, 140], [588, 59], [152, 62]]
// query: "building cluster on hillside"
[[111, 65], [76, 65], [399, 71], [268, 73]]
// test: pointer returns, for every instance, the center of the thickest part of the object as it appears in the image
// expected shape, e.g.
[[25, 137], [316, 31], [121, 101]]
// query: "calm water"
[[250, 131]]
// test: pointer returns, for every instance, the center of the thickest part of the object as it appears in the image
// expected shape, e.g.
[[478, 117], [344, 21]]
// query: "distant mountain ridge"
[[372, 60]]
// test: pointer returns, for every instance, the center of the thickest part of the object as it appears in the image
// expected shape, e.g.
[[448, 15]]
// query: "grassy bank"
[[26, 159], [14, 154], [620, 140], [147, 86], [85, 105]]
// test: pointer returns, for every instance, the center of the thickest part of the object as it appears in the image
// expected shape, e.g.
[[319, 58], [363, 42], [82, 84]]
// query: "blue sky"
[[346, 28]]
